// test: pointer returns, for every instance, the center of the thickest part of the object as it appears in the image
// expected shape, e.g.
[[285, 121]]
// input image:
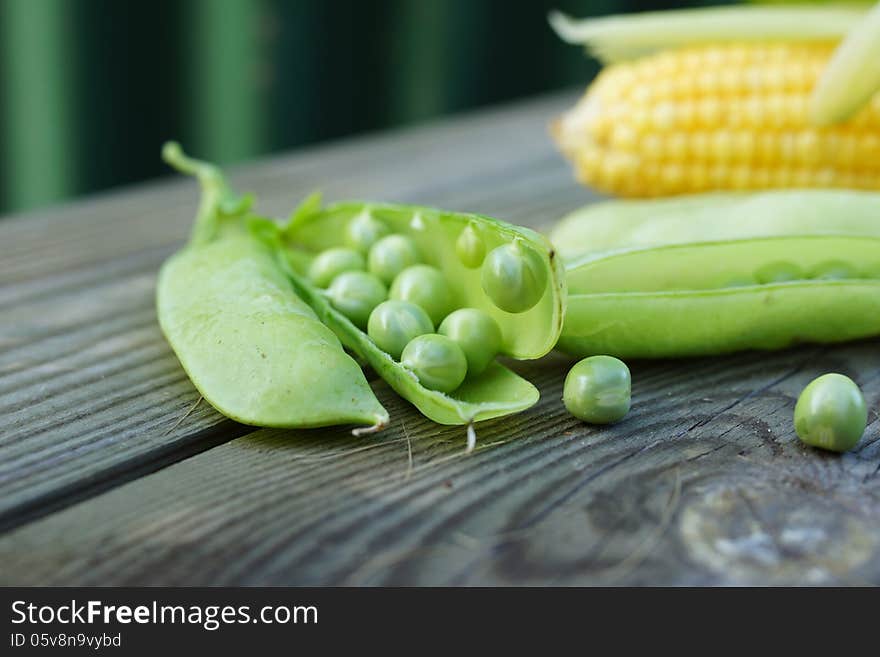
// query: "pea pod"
[[717, 297], [435, 233], [713, 217], [721, 272], [255, 350], [473, 255]]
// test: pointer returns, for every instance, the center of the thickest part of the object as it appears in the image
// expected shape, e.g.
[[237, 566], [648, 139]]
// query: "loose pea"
[[393, 324], [332, 262], [514, 277], [470, 248], [391, 255], [424, 286], [476, 333], [364, 230], [437, 361], [598, 389], [355, 294], [831, 413]]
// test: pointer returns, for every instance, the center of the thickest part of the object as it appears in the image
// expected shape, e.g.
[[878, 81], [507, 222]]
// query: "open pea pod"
[[255, 350], [509, 273], [461, 245], [713, 217], [717, 297]]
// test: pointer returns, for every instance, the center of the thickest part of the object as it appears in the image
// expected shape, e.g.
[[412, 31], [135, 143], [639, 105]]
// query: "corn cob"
[[717, 117]]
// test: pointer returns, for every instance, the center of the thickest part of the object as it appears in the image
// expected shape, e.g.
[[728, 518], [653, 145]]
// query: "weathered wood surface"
[[703, 483], [90, 393]]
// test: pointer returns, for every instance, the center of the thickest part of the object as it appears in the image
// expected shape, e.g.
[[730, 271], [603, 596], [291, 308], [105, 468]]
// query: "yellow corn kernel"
[[725, 116]]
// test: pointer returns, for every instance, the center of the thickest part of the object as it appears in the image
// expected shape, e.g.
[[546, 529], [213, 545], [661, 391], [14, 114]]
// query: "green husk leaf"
[[852, 76], [622, 37]]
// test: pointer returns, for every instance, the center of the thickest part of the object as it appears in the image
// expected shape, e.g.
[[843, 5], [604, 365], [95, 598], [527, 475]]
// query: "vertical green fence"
[[37, 102], [89, 89]]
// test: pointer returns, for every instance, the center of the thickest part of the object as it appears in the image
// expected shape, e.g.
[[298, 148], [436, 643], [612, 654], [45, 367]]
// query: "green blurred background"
[[89, 89]]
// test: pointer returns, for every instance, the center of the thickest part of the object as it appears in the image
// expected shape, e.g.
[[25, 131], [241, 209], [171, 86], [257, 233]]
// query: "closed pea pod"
[[673, 301], [451, 285], [238, 328], [722, 273]]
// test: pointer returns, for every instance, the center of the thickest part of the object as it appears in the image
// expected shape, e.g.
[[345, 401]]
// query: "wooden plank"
[[90, 394], [703, 483]]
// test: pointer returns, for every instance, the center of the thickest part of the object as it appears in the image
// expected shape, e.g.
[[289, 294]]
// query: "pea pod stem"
[[216, 199], [246, 340]]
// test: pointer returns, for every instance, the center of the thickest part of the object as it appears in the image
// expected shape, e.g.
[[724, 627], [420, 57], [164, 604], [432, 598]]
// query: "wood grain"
[[91, 395], [703, 483], [110, 473]]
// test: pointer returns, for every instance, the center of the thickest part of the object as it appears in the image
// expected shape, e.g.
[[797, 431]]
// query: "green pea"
[[470, 248], [831, 413], [393, 324], [437, 361], [514, 277], [424, 286], [364, 230], [834, 270], [329, 264], [391, 255], [598, 390], [779, 272], [355, 294], [476, 333]]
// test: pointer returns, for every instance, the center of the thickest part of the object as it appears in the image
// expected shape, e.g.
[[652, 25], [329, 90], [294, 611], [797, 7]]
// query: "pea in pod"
[[722, 273], [254, 349], [508, 273]]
